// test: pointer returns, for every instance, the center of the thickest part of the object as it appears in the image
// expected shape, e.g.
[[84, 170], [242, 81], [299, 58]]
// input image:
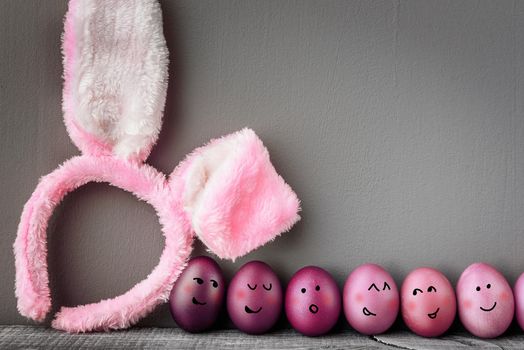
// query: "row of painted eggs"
[[370, 299]]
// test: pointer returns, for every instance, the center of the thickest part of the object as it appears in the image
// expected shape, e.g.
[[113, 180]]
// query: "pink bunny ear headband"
[[226, 192]]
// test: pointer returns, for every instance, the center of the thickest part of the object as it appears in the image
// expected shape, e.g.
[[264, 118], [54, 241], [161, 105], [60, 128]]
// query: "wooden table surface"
[[30, 337]]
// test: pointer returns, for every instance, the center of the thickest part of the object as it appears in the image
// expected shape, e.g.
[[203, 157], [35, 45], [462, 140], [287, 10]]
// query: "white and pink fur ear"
[[234, 197], [115, 76]]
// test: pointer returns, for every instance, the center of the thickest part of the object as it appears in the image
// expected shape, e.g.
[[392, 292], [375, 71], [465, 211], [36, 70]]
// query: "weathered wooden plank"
[[26, 337], [30, 337], [407, 340]]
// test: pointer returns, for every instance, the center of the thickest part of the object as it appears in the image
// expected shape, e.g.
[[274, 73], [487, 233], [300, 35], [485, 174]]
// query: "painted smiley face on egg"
[[371, 299], [312, 301], [254, 298], [428, 302], [198, 295], [485, 298]]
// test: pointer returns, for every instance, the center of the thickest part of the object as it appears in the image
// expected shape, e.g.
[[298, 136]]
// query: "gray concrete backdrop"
[[399, 124]]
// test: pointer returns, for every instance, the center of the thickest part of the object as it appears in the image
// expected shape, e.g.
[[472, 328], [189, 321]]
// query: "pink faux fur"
[[226, 192]]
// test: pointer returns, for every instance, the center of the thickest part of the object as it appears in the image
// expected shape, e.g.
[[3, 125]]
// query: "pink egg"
[[371, 299], [485, 300], [198, 295], [254, 298], [428, 302], [312, 301], [519, 300]]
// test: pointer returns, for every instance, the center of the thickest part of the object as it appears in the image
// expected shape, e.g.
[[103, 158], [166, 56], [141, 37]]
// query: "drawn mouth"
[[313, 308], [249, 311], [488, 310], [196, 302], [366, 312], [434, 314]]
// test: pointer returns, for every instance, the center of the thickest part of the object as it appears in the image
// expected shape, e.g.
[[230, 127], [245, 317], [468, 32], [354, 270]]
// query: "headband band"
[[227, 192]]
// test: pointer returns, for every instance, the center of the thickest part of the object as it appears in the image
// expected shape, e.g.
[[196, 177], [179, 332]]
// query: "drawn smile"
[[488, 310], [196, 302], [434, 314], [366, 312], [313, 308], [249, 311]]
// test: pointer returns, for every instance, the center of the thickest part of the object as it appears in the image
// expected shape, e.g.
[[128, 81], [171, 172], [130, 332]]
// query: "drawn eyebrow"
[[252, 288], [386, 285], [268, 288], [415, 291], [373, 286]]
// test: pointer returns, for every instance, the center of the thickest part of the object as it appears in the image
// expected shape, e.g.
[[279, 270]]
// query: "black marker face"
[[489, 309], [249, 311], [373, 288], [430, 289], [433, 315], [366, 312], [313, 308]]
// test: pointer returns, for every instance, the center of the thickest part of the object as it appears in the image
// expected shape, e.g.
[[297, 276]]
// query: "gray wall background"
[[399, 124]]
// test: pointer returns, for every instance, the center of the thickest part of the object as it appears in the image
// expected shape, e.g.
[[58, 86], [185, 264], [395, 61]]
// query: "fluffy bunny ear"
[[233, 195], [115, 76]]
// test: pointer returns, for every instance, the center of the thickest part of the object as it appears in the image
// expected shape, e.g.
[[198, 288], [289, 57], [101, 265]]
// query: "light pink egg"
[[428, 302], [518, 293], [485, 300], [371, 299]]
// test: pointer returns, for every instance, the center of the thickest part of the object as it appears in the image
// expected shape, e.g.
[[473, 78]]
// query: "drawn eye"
[[432, 289], [214, 283], [416, 290], [374, 286], [252, 288], [478, 288], [317, 288], [303, 290], [267, 288], [386, 285], [488, 286]]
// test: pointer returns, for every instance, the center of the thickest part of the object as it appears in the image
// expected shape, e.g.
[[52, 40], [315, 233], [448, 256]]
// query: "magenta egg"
[[312, 301], [485, 299], [370, 299], [254, 298], [198, 295], [428, 302], [518, 292]]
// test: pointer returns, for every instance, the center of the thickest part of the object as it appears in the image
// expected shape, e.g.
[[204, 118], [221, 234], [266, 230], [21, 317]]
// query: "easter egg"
[[518, 292], [198, 295], [370, 299], [428, 303], [254, 298], [485, 300], [312, 301]]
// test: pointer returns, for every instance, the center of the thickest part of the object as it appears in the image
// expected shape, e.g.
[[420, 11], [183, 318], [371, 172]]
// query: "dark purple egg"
[[198, 295], [312, 301], [254, 298]]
